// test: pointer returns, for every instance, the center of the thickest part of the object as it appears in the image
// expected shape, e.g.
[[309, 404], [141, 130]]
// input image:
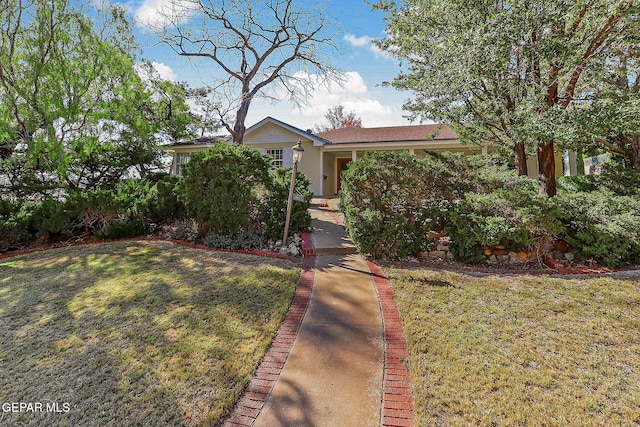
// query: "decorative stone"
[[561, 246], [569, 256], [438, 254], [492, 259], [486, 251], [500, 252], [521, 255], [503, 258], [423, 254]]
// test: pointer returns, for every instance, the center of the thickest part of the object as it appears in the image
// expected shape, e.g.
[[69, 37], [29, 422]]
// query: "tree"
[[338, 119], [506, 72], [257, 44], [74, 112]]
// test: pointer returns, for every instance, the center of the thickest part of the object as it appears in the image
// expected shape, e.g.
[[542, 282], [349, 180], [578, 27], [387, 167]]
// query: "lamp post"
[[297, 156]]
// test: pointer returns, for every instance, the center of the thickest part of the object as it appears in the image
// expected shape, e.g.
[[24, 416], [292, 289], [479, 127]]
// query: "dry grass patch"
[[521, 351], [136, 333]]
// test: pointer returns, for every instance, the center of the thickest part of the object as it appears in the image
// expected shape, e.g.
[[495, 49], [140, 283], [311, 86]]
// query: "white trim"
[[321, 173], [399, 145]]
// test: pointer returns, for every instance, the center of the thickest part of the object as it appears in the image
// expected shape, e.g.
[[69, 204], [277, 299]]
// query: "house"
[[326, 154]]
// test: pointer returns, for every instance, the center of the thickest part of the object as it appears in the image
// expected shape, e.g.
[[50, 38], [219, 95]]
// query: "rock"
[[521, 255], [561, 246], [532, 255], [500, 252], [569, 256], [438, 254], [294, 250], [503, 258], [433, 235], [443, 248], [492, 259], [423, 254], [486, 251]]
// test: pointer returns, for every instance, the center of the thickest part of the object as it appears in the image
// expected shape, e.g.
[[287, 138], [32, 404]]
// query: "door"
[[342, 166]]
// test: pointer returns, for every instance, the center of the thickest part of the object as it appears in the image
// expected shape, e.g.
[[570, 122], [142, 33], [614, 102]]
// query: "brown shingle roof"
[[389, 134]]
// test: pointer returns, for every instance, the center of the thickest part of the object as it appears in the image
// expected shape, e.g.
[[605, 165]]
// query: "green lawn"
[[521, 351], [136, 333]]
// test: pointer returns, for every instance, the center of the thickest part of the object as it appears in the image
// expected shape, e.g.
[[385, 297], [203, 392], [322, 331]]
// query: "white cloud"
[[165, 71], [157, 69], [160, 14], [366, 42], [353, 94]]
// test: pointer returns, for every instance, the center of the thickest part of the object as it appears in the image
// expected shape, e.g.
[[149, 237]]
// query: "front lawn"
[[521, 351], [135, 333]]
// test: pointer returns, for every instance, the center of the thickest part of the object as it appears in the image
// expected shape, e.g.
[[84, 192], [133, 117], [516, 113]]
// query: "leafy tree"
[[257, 44], [506, 72], [74, 111], [338, 119]]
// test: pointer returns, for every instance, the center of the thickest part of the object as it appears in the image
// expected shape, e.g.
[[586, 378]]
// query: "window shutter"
[[287, 158]]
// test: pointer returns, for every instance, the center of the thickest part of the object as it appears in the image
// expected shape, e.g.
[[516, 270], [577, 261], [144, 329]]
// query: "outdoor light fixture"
[[297, 157]]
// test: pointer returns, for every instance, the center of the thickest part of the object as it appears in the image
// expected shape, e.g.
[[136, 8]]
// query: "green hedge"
[[392, 200]]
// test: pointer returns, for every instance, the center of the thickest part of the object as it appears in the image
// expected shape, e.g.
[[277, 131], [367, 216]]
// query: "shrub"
[[234, 242], [225, 187], [512, 219], [602, 225], [389, 200], [91, 210], [123, 229], [49, 216], [165, 204], [276, 207]]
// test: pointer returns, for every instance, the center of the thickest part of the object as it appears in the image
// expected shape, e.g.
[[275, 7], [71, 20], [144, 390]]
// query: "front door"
[[342, 166]]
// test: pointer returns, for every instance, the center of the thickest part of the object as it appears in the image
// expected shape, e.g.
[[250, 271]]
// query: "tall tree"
[[73, 109], [256, 44], [337, 119], [505, 71]]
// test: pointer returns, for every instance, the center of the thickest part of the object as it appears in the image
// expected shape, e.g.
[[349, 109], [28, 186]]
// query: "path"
[[334, 371]]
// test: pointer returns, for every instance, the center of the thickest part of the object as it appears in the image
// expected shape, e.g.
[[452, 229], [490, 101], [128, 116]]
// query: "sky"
[[364, 65]]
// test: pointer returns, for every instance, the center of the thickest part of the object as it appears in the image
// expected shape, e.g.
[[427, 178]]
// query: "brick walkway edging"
[[397, 398], [261, 385]]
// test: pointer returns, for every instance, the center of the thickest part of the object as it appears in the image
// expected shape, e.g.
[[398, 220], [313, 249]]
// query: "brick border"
[[263, 381], [397, 397]]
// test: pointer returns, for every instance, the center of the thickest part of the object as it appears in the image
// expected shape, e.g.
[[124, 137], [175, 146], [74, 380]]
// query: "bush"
[[165, 204], [276, 207], [603, 226], [90, 210], [123, 229], [225, 188], [49, 216], [513, 219], [234, 242], [390, 200]]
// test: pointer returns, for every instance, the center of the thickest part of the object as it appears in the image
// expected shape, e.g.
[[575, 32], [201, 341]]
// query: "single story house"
[[326, 154]]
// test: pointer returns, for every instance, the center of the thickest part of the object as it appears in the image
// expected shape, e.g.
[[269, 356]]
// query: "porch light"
[[297, 157]]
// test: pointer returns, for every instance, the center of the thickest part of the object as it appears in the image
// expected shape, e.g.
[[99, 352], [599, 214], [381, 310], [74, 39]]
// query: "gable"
[[271, 133]]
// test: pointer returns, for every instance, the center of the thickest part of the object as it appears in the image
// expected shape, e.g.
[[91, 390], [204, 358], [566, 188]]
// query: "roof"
[[207, 140], [350, 135]]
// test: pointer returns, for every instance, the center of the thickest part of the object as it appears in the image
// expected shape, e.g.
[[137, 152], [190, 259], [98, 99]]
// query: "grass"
[[521, 351], [136, 333]]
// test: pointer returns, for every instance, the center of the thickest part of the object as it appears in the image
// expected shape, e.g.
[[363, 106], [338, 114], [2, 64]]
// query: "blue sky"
[[365, 67]]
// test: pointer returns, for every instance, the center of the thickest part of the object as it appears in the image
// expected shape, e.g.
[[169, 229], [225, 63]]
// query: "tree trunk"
[[547, 169], [241, 116], [521, 159], [635, 153]]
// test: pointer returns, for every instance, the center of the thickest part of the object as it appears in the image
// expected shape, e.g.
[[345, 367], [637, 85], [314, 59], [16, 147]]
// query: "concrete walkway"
[[333, 372]]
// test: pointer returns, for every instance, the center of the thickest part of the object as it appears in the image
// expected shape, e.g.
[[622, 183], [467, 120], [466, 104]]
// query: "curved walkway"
[[340, 356]]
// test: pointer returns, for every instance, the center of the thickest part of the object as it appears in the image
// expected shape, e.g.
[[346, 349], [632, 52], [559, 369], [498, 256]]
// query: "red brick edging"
[[261, 385], [397, 400]]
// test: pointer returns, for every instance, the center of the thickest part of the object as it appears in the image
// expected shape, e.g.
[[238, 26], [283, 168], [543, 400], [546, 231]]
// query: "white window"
[[181, 159], [276, 156]]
